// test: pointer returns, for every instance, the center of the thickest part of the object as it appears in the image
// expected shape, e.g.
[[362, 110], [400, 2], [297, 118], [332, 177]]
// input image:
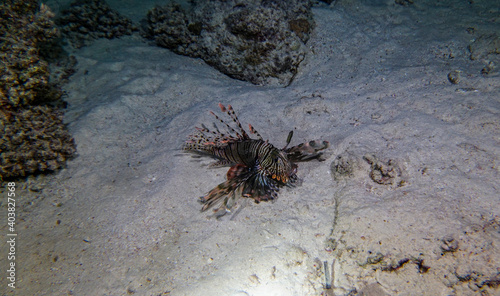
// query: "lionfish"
[[258, 169]]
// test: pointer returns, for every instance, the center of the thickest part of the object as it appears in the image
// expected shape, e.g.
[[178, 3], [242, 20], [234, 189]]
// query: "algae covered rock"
[[33, 137], [253, 40], [23, 74], [33, 140], [87, 20]]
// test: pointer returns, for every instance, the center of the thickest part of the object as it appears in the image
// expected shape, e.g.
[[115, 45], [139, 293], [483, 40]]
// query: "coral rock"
[[88, 20], [32, 136], [33, 140], [258, 41]]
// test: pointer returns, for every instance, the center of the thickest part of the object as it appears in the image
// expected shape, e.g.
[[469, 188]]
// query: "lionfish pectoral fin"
[[260, 188], [223, 197], [241, 182], [307, 151], [220, 163], [236, 171]]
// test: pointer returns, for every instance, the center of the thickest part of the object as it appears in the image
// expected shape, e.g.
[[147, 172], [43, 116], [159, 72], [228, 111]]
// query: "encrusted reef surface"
[[87, 20], [33, 136], [262, 42]]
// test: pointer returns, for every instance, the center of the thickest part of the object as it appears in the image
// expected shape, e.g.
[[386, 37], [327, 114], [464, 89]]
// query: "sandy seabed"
[[123, 217]]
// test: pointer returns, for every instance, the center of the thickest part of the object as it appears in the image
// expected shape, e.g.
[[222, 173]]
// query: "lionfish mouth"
[[257, 168]]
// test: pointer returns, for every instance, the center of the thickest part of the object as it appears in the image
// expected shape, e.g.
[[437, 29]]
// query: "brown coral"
[[33, 140], [88, 20], [33, 137], [23, 74]]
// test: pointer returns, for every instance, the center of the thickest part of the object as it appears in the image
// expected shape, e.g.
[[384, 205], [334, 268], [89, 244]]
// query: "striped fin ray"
[[307, 151], [245, 183], [255, 132], [224, 196], [230, 111], [211, 140]]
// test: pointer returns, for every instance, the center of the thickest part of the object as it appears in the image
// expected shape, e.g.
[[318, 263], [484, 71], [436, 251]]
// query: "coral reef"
[[33, 137], [33, 140], [24, 76], [258, 41], [87, 20]]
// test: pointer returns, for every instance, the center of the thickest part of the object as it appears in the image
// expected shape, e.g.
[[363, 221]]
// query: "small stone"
[[254, 279], [454, 76], [449, 244]]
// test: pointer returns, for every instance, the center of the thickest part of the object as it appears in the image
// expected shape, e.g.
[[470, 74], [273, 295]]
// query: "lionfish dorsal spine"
[[254, 131], [230, 111], [217, 137], [288, 140], [227, 125]]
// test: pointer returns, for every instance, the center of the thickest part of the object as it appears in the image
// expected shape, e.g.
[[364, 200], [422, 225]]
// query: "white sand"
[[375, 82]]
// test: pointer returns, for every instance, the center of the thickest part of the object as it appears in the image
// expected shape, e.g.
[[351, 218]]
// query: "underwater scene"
[[250, 147]]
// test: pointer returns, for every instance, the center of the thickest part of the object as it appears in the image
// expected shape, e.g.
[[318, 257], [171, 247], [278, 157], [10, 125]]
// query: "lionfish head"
[[279, 167]]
